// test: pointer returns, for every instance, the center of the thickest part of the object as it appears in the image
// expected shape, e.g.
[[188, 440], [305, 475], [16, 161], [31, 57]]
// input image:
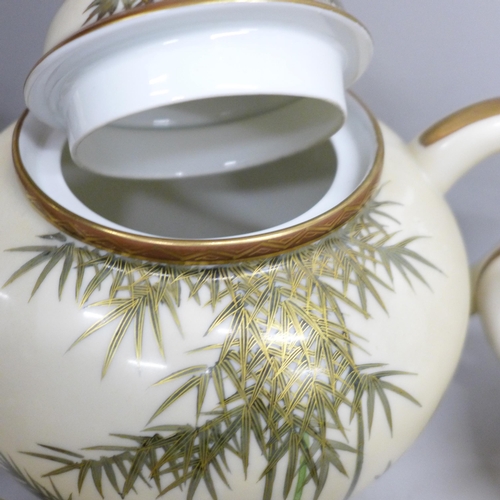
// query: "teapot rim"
[[202, 251]]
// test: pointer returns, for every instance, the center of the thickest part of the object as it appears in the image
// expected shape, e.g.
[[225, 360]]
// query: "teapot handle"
[[446, 151]]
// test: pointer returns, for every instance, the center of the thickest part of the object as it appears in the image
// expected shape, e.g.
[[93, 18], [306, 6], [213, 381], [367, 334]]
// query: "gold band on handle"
[[459, 120]]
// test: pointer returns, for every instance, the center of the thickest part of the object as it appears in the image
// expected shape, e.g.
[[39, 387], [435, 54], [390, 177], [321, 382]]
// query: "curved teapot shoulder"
[[68, 20], [423, 210]]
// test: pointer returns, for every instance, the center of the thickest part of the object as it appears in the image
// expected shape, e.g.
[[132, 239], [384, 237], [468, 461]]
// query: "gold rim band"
[[172, 4], [202, 252], [460, 119]]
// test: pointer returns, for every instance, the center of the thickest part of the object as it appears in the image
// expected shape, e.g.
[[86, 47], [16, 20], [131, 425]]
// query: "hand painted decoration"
[[280, 331], [103, 8], [285, 376]]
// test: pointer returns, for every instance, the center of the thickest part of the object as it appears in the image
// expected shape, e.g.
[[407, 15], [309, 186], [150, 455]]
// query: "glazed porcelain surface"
[[271, 74], [284, 331], [190, 374], [75, 14]]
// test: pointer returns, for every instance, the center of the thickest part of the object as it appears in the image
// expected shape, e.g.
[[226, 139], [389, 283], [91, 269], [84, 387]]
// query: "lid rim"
[[269, 47], [176, 4], [173, 4]]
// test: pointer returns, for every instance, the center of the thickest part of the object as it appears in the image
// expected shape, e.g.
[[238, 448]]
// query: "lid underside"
[[203, 88]]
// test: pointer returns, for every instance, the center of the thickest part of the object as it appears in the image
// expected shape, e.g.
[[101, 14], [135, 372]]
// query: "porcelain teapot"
[[279, 331]]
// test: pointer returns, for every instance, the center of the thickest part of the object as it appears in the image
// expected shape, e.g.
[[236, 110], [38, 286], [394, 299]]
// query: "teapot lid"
[[163, 89]]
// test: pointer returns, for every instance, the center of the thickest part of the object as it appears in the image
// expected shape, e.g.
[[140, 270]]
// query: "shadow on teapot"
[[213, 206]]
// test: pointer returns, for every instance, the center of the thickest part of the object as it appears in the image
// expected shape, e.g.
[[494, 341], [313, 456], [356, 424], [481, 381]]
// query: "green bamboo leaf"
[[176, 484], [121, 269], [34, 248], [262, 379], [385, 402], [181, 445], [105, 269], [139, 328], [135, 471], [220, 472], [371, 404], [308, 455], [62, 451], [207, 477], [313, 408], [275, 457], [270, 478], [192, 370], [231, 309], [333, 457], [31, 264], [84, 469], [196, 478], [69, 251], [167, 299], [202, 392], [83, 256], [229, 370], [154, 316], [324, 469], [293, 457], [96, 470], [391, 387], [123, 306], [119, 462], [258, 416], [246, 427], [119, 334], [55, 236], [219, 385], [110, 474], [176, 395]]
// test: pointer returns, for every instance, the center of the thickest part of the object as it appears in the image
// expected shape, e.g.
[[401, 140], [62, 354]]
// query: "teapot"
[[285, 330]]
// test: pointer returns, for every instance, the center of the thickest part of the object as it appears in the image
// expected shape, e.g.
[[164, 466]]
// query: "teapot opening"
[[223, 205], [239, 215]]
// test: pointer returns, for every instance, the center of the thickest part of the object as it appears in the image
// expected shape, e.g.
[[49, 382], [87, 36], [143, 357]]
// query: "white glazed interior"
[[254, 201], [290, 61]]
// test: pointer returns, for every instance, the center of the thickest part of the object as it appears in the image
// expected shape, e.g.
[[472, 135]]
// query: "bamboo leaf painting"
[[285, 374]]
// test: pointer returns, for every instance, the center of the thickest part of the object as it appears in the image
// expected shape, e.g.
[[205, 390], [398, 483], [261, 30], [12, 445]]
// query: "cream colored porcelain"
[[232, 374], [283, 331], [267, 79]]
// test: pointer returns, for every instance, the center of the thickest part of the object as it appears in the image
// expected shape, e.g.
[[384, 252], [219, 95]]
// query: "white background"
[[431, 58]]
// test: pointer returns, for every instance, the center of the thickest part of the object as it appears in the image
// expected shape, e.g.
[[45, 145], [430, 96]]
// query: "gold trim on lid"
[[459, 120], [198, 252], [172, 4]]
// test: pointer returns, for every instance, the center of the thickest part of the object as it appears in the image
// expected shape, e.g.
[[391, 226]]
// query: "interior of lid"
[[206, 136]]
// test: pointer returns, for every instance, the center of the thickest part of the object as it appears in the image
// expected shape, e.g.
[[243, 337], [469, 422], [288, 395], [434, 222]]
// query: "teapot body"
[[301, 375]]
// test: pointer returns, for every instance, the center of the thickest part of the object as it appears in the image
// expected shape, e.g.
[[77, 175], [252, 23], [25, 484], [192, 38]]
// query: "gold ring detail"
[[198, 252]]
